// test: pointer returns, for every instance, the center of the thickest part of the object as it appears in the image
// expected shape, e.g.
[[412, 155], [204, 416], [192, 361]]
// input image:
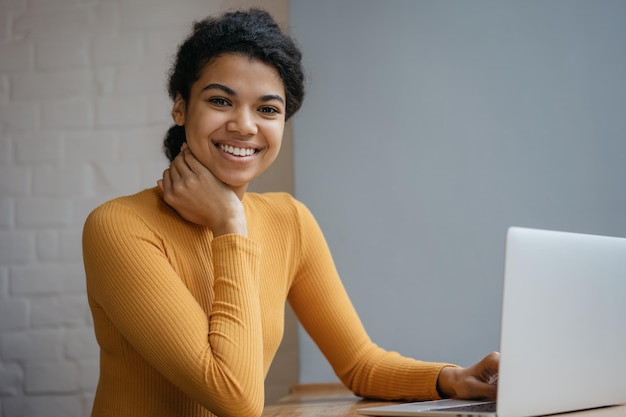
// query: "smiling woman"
[[234, 118], [187, 281]]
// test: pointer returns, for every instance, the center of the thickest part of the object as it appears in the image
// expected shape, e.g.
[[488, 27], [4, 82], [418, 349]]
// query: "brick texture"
[[83, 110]]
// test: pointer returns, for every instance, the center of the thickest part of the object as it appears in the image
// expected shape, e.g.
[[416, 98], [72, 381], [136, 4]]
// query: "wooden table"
[[334, 400], [318, 400]]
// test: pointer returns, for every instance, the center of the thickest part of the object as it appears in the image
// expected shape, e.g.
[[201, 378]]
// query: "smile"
[[237, 151]]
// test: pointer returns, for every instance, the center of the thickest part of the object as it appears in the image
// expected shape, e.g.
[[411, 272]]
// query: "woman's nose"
[[243, 123]]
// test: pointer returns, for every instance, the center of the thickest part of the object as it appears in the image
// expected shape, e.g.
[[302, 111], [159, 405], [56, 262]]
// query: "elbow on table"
[[242, 404], [228, 392]]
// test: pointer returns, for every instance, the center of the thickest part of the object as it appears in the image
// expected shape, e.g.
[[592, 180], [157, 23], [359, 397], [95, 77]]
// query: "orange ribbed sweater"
[[188, 324]]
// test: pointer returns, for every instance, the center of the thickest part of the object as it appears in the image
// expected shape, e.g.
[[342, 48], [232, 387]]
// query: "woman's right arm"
[[215, 356]]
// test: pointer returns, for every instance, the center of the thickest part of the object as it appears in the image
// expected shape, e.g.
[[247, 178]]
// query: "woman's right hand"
[[198, 196]]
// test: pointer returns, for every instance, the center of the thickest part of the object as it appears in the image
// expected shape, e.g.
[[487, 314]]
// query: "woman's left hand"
[[478, 381]]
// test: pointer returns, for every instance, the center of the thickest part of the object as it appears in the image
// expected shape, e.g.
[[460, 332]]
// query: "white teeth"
[[237, 151]]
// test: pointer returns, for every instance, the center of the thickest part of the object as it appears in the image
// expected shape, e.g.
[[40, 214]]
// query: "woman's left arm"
[[322, 305]]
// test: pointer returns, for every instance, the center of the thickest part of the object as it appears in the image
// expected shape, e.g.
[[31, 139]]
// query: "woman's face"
[[234, 118]]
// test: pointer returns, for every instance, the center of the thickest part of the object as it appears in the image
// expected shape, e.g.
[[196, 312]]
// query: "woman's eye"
[[218, 101], [269, 110]]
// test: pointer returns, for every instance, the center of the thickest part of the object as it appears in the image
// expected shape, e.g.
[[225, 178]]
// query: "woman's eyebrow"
[[222, 87], [270, 97], [231, 92]]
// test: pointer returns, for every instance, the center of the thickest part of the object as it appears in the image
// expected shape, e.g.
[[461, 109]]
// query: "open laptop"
[[563, 328]]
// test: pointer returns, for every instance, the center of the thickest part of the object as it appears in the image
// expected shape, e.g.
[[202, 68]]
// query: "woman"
[[187, 281]]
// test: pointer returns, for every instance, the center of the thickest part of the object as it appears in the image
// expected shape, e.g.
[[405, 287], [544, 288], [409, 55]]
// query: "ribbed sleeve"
[[320, 301]]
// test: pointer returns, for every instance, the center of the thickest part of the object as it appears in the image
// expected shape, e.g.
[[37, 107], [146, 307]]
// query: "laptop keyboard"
[[484, 407]]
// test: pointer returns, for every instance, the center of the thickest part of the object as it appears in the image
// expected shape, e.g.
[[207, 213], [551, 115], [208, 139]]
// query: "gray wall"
[[429, 128]]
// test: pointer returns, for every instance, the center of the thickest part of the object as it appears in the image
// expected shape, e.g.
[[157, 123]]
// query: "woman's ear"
[[178, 110]]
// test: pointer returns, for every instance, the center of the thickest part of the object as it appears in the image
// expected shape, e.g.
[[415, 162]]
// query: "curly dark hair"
[[253, 33]]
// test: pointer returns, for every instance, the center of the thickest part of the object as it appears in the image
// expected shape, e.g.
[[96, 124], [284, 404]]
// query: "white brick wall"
[[83, 110]]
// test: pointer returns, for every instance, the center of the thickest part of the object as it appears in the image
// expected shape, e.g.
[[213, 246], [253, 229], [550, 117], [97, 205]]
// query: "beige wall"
[[83, 108]]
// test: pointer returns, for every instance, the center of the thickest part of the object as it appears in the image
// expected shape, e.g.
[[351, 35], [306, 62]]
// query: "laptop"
[[563, 328]]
